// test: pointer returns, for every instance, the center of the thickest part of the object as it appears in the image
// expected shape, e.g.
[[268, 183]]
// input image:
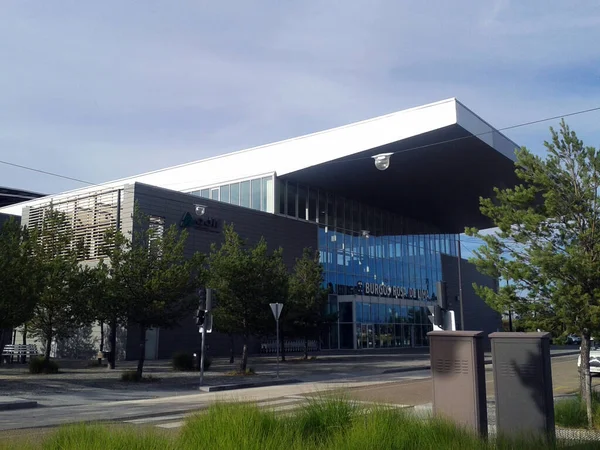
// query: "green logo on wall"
[[200, 223]]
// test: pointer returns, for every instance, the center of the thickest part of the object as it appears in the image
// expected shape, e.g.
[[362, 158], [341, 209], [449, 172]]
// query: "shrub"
[[130, 375], [186, 361], [40, 365], [183, 361]]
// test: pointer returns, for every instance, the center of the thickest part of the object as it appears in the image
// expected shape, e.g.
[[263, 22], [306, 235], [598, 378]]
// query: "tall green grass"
[[571, 412], [324, 424]]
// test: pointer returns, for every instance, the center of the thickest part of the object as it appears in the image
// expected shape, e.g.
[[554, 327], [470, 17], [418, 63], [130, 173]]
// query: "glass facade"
[[256, 193], [381, 269]]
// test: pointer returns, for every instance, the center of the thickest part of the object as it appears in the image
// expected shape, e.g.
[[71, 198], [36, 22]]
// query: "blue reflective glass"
[[359, 312]]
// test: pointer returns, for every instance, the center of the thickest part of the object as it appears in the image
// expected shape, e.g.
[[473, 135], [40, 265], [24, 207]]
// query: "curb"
[[231, 387], [13, 404], [487, 362]]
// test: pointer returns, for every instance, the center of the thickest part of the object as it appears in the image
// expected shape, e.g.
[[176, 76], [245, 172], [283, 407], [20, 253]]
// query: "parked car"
[[573, 339], [594, 359]]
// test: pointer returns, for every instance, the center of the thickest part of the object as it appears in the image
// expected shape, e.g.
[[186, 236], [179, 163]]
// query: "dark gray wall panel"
[[292, 235]]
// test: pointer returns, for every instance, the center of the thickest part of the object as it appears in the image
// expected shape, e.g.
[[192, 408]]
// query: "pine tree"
[[548, 243]]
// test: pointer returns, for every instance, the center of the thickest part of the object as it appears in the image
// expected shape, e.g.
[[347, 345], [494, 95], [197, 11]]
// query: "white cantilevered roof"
[[298, 154]]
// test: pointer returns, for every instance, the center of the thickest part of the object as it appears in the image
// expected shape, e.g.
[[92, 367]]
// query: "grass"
[[571, 413], [324, 424], [239, 373]]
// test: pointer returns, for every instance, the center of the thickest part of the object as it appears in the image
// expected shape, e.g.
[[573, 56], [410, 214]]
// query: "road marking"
[[155, 419], [171, 425]]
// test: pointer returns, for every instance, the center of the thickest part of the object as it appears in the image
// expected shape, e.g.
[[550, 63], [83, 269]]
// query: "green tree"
[[106, 304], [246, 279], [548, 243], [61, 306], [154, 280], [18, 277], [307, 297]]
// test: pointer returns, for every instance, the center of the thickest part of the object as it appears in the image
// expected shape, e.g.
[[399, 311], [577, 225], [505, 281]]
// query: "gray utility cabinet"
[[458, 373], [523, 383]]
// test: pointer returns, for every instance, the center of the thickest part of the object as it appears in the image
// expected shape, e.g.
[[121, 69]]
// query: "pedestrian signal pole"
[[203, 320]]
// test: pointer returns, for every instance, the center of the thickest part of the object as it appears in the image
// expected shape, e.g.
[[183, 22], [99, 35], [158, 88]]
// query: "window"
[[204, 193], [282, 188], [234, 192], [224, 195], [322, 207], [312, 205], [291, 199], [255, 186], [302, 200], [268, 194], [214, 194], [245, 194]]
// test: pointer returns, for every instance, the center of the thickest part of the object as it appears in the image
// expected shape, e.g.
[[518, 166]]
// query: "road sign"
[[276, 308]]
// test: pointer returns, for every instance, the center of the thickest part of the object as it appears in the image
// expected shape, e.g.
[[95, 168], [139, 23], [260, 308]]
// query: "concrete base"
[[245, 385], [12, 403]]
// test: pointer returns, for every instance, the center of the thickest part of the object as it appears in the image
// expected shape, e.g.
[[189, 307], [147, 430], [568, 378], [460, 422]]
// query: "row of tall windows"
[[257, 193]]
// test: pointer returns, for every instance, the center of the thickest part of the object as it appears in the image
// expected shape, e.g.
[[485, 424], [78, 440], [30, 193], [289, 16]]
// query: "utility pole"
[[460, 291], [510, 324]]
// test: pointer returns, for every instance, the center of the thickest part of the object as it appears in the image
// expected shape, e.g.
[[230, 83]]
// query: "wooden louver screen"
[[88, 217]]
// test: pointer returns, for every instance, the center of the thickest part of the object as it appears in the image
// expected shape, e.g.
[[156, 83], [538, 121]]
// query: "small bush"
[[40, 365], [183, 361], [130, 376]]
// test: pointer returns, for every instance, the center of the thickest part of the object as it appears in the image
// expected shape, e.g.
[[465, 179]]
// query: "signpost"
[[276, 308], [204, 321]]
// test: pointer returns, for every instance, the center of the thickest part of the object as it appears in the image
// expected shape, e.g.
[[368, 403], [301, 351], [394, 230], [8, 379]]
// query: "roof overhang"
[[445, 158], [437, 177]]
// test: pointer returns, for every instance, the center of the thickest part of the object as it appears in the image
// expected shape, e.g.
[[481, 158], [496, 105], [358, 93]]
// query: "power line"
[[448, 141], [45, 172]]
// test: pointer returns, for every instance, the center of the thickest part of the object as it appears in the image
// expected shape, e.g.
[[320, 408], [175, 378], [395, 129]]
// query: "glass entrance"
[[366, 335], [408, 335]]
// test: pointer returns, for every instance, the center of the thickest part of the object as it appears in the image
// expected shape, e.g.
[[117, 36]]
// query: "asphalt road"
[[418, 391], [409, 388]]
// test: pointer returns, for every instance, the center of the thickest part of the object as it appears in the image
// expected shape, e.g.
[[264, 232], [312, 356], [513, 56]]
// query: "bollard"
[[523, 383], [458, 374]]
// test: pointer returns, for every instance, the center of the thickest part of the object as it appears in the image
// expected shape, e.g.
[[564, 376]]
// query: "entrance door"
[[366, 334], [152, 343], [408, 335]]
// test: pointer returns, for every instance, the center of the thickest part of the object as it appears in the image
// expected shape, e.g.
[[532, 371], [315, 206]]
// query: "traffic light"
[[436, 315], [200, 316], [442, 297]]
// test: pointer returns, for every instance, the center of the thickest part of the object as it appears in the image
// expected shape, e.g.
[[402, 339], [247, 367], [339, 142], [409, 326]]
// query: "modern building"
[[10, 196], [385, 236]]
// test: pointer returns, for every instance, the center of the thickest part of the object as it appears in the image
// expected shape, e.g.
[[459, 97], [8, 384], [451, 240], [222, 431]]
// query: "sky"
[[102, 90]]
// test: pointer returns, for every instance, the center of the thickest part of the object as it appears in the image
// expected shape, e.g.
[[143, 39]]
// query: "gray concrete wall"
[[478, 315], [292, 235]]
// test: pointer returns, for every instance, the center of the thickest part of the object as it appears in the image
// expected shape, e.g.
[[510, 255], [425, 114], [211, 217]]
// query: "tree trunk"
[[140, 366], [305, 346], [1, 344], [585, 379], [281, 344], [48, 346], [23, 358], [231, 348], [244, 362], [112, 357], [101, 337]]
